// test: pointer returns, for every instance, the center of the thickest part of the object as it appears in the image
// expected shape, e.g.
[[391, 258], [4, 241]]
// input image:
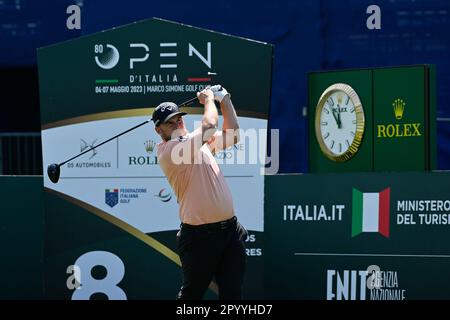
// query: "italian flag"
[[370, 212]]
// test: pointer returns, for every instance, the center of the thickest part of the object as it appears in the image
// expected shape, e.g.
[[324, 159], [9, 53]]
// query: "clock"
[[339, 122]]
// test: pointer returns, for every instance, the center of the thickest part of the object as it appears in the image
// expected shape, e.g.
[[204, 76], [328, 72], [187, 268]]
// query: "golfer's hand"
[[205, 95], [219, 92]]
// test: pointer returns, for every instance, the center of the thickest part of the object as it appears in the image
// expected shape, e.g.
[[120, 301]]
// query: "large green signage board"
[[403, 119], [358, 236], [113, 209], [398, 120], [143, 63], [22, 238]]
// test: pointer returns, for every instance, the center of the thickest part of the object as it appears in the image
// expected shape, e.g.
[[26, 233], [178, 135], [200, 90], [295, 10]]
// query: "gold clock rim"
[[360, 122]]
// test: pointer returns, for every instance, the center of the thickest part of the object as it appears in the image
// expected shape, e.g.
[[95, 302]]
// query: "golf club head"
[[53, 172]]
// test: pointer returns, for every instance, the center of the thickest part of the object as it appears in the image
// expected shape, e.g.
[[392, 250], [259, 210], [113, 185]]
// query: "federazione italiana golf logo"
[[370, 212], [123, 195], [111, 197]]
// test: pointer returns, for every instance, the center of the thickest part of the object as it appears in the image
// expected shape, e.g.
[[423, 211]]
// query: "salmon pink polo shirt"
[[195, 177]]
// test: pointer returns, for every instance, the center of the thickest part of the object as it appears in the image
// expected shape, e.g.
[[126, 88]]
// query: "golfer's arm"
[[230, 122], [209, 120], [202, 134]]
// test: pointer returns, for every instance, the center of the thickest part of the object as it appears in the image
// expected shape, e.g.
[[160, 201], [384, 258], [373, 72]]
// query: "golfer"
[[210, 241]]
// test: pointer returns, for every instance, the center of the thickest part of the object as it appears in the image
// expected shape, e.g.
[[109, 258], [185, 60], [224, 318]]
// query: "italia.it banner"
[[361, 236], [111, 220]]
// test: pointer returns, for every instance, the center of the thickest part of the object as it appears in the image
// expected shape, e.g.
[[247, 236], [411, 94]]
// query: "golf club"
[[54, 170]]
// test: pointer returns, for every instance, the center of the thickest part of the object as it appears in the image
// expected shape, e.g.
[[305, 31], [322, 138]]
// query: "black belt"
[[221, 225]]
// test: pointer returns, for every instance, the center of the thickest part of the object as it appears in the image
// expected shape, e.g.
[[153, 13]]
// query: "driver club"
[[54, 170]]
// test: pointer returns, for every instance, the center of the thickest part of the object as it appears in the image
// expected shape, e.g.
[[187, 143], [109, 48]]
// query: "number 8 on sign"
[[115, 271]]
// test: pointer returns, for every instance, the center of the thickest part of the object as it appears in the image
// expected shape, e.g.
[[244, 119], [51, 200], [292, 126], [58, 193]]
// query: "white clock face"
[[338, 122]]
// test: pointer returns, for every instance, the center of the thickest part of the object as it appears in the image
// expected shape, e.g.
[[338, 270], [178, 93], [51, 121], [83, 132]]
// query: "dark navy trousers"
[[209, 251]]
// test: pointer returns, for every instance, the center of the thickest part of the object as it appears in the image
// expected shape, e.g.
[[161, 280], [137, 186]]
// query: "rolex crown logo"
[[149, 146], [339, 98], [399, 107]]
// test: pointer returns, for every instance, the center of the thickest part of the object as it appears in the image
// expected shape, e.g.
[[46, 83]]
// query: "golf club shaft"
[[183, 104], [116, 136], [188, 102]]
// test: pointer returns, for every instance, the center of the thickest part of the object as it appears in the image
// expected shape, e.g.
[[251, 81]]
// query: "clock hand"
[[338, 120], [330, 104], [334, 116]]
